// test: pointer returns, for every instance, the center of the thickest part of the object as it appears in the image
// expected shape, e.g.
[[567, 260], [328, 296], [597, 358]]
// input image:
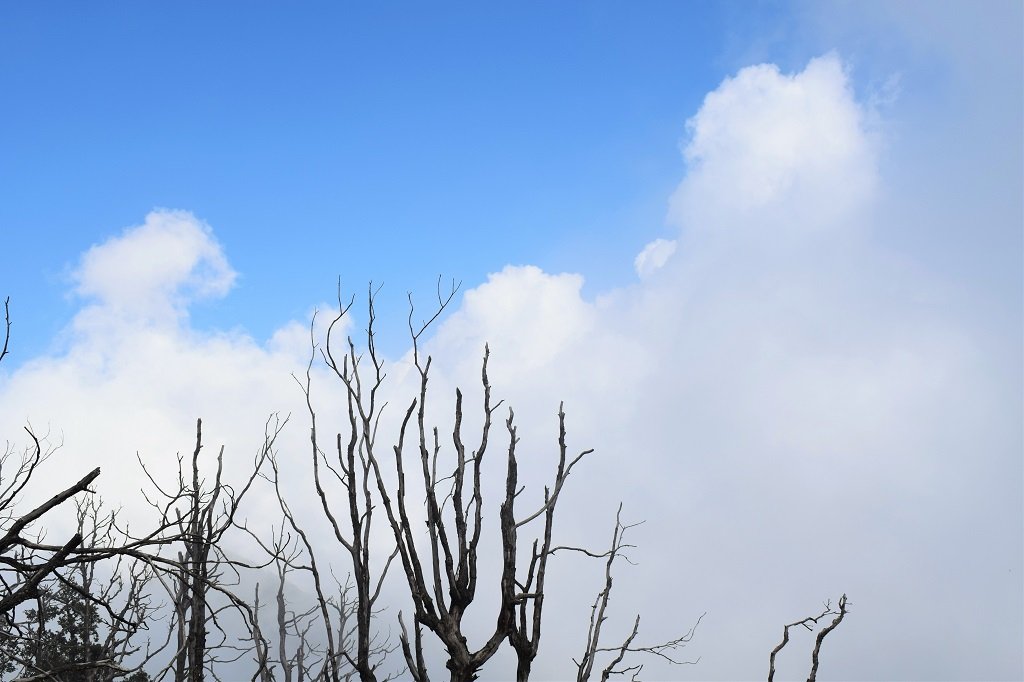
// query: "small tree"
[[84, 626], [66, 644]]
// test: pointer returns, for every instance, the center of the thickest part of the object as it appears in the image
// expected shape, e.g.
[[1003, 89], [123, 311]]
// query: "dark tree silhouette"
[[441, 566]]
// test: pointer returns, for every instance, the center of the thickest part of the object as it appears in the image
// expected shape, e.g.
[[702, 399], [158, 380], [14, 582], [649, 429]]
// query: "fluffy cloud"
[[544, 313], [783, 403], [135, 377], [777, 153], [152, 271]]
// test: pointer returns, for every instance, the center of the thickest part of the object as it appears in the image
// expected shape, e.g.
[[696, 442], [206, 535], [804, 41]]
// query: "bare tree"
[[297, 660], [203, 514], [22, 568], [442, 577], [23, 564], [7, 327], [441, 566], [336, 611], [107, 613], [32, 569], [809, 623], [666, 650], [352, 525]]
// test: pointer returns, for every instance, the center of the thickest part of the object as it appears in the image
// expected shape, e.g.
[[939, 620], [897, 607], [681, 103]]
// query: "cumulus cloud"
[[135, 376], [777, 400], [154, 270], [777, 153], [544, 313]]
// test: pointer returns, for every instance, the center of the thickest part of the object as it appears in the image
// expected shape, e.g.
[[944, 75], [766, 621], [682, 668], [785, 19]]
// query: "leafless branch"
[[809, 623], [663, 650], [7, 327]]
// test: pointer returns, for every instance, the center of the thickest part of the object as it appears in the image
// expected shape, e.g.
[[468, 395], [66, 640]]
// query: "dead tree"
[[598, 615], [352, 523], [191, 515], [809, 623], [351, 645], [336, 611], [119, 597], [7, 328], [106, 612], [296, 661], [24, 564], [442, 577], [27, 563], [525, 598], [203, 514]]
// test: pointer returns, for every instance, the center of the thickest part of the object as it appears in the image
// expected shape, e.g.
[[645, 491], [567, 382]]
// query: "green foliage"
[[62, 637]]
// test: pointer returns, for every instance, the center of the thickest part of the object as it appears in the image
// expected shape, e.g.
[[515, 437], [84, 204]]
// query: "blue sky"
[[539, 133], [471, 136], [770, 255]]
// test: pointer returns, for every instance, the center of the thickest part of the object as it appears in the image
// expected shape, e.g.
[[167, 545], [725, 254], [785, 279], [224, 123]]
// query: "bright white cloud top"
[[790, 403], [155, 269], [773, 152]]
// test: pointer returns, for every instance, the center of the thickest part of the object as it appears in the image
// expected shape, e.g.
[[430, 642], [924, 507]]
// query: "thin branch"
[[7, 327], [821, 638], [809, 623]]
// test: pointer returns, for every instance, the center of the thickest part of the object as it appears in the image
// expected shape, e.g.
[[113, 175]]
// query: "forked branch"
[[809, 623], [598, 615]]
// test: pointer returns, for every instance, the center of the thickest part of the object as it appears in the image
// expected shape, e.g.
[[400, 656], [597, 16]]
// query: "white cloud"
[[543, 313], [154, 270], [653, 256], [135, 376], [782, 401], [776, 153]]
